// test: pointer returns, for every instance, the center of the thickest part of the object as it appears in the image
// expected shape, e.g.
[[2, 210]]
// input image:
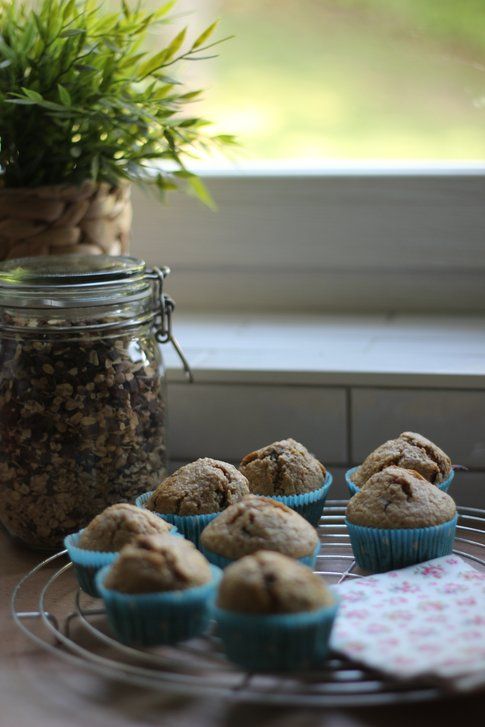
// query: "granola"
[[82, 426]]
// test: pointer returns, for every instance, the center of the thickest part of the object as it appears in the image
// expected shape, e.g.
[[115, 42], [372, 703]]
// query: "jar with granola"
[[82, 389]]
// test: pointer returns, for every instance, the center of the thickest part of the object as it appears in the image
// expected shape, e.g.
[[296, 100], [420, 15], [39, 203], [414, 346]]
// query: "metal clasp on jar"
[[164, 307]]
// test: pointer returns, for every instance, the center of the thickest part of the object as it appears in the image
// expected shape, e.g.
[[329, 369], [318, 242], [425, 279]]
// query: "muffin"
[[411, 451], [259, 523], [160, 590], [287, 471], [118, 525], [154, 563], [273, 613], [193, 495], [271, 583], [282, 468], [98, 544], [399, 518]]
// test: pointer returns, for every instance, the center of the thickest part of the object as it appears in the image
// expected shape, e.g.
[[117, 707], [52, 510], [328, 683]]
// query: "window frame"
[[353, 237]]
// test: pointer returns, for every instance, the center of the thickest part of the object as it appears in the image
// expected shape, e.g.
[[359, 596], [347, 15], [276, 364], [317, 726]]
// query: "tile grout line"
[[178, 379]]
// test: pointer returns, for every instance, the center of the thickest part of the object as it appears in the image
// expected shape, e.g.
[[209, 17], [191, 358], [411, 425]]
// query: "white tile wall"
[[335, 382], [228, 420], [469, 489], [453, 419]]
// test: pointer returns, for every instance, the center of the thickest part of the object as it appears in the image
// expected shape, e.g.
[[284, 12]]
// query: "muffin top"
[[258, 523], [199, 488], [154, 563], [282, 468], [400, 498], [411, 451], [271, 583], [118, 525]]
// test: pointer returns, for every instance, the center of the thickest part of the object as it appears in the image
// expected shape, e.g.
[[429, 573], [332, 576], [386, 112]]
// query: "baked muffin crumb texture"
[[400, 498], [155, 563], [282, 468], [411, 451], [118, 525], [271, 583], [199, 488], [259, 523]]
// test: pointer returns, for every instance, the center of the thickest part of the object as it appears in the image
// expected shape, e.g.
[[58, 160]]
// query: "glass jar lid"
[[57, 282], [66, 281], [69, 269]]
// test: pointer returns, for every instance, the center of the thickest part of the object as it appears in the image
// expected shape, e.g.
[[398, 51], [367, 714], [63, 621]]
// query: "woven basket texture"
[[64, 219]]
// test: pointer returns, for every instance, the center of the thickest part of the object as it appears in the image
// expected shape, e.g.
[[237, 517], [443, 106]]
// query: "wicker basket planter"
[[65, 219]]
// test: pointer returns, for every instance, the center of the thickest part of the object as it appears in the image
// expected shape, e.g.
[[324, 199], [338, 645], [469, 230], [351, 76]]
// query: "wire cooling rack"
[[50, 610]]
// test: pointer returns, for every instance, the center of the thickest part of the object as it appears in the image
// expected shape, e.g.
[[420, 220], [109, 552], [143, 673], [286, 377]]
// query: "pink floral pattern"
[[428, 619]]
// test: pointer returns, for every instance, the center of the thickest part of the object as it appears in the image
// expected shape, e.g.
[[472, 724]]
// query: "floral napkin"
[[425, 620]]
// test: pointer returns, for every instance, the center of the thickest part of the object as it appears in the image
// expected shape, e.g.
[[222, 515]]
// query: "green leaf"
[[72, 33], [68, 9], [42, 30], [160, 93], [95, 102], [164, 9], [205, 35], [186, 123], [52, 105], [126, 9], [20, 101], [176, 44], [166, 79], [33, 96], [226, 138], [6, 50], [64, 95], [85, 67], [153, 64], [191, 95], [199, 189], [95, 167]]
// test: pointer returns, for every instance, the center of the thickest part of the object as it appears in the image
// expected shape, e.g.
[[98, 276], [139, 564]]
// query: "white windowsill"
[[313, 168], [329, 350]]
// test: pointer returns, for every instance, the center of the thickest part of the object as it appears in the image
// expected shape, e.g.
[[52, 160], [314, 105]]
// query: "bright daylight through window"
[[310, 82], [360, 158]]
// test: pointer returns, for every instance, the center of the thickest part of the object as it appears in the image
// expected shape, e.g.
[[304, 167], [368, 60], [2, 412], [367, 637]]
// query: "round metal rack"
[[50, 610]]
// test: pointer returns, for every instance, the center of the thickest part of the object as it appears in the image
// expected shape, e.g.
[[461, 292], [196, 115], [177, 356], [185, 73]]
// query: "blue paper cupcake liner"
[[445, 486], [309, 504], [279, 642], [150, 619], [87, 563], [351, 486], [222, 562], [191, 526], [354, 489], [384, 549]]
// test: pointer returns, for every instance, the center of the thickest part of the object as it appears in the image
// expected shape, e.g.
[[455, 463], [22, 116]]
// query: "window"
[[312, 81], [360, 181]]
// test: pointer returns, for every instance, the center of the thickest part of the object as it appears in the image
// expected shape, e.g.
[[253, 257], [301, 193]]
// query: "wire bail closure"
[[165, 307]]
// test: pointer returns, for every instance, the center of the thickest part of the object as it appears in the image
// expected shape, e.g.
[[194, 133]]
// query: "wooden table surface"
[[37, 689]]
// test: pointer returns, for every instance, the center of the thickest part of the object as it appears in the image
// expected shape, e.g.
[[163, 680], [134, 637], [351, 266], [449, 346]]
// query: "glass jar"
[[82, 390]]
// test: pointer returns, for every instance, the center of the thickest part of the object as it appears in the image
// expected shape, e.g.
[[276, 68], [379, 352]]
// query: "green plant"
[[81, 96]]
